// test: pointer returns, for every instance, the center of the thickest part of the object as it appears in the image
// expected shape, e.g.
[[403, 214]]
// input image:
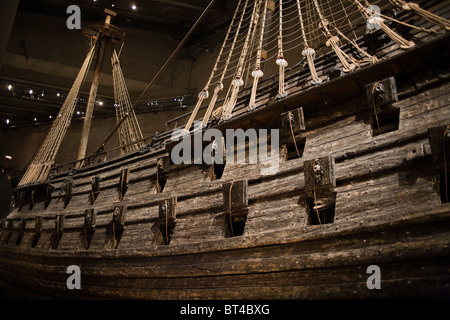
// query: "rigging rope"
[[44, 158], [281, 61], [257, 72], [308, 52], [333, 42], [238, 81], [130, 132], [293, 136], [374, 106], [414, 7], [219, 86], [174, 53], [375, 19]]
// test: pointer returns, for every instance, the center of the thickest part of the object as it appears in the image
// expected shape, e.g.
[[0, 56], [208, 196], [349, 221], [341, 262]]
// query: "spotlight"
[[133, 7], [31, 91], [7, 121], [9, 87]]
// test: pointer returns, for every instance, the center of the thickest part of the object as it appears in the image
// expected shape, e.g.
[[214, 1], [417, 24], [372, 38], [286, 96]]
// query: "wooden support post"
[[118, 225], [119, 215], [38, 225], [33, 198], [166, 218], [90, 218], [58, 231], [95, 185], [59, 224], [48, 196], [440, 146], [88, 228], [168, 211], [162, 169], [21, 229], [123, 182], [68, 194]]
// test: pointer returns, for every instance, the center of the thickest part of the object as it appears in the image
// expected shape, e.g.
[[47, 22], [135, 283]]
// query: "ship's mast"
[[104, 35]]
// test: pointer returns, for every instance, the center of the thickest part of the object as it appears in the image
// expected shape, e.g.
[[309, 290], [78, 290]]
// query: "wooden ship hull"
[[141, 227]]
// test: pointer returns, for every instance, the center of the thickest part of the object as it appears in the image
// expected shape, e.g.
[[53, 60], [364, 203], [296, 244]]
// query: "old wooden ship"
[[360, 95]]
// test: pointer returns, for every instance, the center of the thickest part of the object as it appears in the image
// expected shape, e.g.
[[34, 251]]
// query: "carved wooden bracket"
[[119, 216], [38, 228], [90, 217], [68, 194], [117, 225], [58, 231], [319, 176], [235, 203], [168, 211], [59, 224], [162, 169], [48, 196], [235, 195], [294, 117], [382, 93], [123, 182], [95, 186]]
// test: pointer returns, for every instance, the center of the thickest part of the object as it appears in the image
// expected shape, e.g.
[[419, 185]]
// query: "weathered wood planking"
[[241, 273], [387, 212]]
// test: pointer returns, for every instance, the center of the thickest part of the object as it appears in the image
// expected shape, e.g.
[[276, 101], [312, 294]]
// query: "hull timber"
[[388, 206]]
